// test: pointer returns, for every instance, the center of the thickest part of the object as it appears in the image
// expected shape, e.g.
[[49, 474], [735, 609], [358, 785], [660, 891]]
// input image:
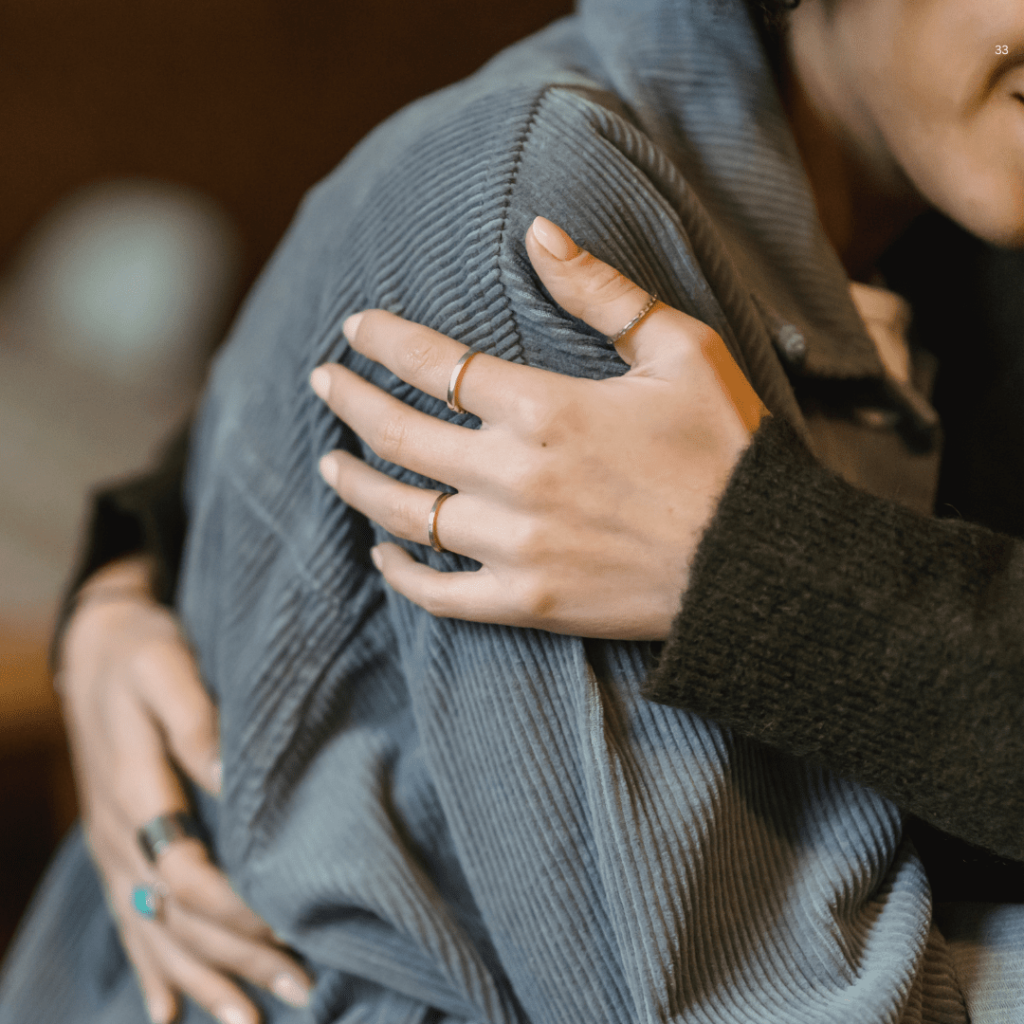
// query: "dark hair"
[[771, 14], [770, 17]]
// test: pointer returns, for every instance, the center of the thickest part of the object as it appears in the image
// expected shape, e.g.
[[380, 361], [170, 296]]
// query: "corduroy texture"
[[491, 823]]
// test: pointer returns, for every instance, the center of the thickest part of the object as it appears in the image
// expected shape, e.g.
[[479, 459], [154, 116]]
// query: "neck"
[[863, 199]]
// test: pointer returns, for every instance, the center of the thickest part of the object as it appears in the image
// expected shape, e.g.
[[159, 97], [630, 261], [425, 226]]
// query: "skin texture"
[[136, 714], [569, 493]]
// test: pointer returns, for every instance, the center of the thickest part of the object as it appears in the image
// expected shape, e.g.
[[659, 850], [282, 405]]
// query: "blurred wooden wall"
[[249, 101]]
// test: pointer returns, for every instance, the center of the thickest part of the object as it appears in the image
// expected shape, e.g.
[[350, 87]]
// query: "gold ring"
[[432, 522], [616, 338], [455, 380]]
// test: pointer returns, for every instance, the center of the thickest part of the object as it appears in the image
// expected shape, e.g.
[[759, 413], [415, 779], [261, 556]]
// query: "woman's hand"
[[583, 500], [136, 714]]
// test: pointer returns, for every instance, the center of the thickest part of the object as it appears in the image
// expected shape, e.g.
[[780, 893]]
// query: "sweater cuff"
[[143, 515], [844, 628]]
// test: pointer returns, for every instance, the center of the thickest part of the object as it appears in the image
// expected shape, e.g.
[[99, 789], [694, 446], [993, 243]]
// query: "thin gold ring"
[[455, 380], [432, 522], [616, 338]]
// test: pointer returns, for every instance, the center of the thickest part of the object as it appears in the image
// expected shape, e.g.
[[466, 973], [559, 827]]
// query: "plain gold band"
[[432, 522], [455, 380]]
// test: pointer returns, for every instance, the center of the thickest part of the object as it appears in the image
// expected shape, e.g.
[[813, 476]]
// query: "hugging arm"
[[139, 723], [840, 627], [843, 628]]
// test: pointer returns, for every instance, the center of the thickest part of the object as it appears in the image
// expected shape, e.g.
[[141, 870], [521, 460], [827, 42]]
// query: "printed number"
[[1002, 49]]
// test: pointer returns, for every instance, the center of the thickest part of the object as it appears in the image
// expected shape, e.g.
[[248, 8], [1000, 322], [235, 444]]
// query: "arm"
[[840, 627], [139, 720], [141, 516], [854, 680]]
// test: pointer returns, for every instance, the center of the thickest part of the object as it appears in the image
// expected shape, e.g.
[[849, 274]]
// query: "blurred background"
[[154, 155]]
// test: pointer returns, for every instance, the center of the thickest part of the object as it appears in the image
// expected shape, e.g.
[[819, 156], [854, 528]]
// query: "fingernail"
[[290, 990], [329, 470], [320, 382], [233, 1015], [351, 325], [555, 240], [375, 557], [216, 775]]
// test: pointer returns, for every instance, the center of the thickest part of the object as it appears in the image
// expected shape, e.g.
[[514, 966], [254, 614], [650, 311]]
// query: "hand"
[[136, 711], [583, 500]]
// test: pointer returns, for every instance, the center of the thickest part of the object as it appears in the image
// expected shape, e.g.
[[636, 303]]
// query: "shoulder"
[[427, 216]]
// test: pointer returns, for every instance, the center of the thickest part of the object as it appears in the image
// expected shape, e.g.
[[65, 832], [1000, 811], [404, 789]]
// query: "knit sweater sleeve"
[[845, 629], [144, 514]]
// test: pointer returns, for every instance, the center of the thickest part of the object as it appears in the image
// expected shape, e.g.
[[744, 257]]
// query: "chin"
[[1008, 236], [998, 223]]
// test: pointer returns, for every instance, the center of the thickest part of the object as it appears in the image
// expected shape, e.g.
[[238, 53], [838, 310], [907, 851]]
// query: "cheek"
[[958, 138], [971, 168]]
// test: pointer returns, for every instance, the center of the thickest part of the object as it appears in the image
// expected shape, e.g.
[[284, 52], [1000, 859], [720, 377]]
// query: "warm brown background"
[[249, 101]]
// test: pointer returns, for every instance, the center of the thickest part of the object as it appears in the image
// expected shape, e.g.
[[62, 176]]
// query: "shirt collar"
[[698, 82]]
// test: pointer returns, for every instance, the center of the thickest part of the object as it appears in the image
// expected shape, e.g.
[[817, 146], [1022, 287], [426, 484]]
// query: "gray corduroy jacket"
[[477, 822]]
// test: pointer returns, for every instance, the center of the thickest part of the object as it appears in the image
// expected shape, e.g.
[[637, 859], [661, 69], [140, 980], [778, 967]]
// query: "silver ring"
[[455, 380], [158, 833], [616, 338], [432, 522], [148, 901]]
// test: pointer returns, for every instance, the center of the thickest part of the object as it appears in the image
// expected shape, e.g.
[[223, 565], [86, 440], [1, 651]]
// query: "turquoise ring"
[[147, 902]]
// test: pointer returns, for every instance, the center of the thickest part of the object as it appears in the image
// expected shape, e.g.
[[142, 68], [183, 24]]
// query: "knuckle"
[[400, 519], [705, 338], [525, 542], [149, 658], [186, 891], [434, 604], [603, 283], [417, 359], [390, 438], [536, 599], [545, 417], [192, 736]]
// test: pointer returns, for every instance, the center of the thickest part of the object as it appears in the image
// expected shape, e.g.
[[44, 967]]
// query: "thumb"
[[185, 714], [599, 295]]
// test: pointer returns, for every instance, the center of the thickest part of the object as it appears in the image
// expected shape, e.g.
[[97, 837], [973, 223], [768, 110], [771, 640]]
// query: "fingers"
[[599, 295], [178, 700], [396, 432], [160, 998], [191, 953], [201, 888], [473, 596], [489, 388], [264, 964], [171, 968], [464, 524], [151, 787]]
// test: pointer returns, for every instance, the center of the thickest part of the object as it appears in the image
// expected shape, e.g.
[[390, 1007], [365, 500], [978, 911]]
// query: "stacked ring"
[[455, 380], [432, 522], [158, 833]]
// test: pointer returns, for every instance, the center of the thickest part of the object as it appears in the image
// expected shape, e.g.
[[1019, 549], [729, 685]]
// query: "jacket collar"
[[699, 84]]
